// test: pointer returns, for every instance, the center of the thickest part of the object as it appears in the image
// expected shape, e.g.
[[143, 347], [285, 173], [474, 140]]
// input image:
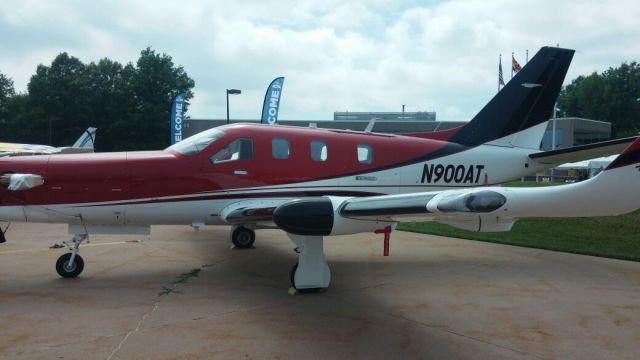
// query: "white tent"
[[593, 166]]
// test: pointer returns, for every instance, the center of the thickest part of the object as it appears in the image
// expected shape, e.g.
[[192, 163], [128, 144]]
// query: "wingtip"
[[630, 156]]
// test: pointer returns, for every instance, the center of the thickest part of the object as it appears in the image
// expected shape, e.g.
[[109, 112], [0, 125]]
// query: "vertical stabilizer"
[[86, 140], [526, 101]]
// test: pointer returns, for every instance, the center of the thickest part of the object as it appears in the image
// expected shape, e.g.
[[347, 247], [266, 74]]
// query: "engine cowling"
[[305, 216], [321, 217]]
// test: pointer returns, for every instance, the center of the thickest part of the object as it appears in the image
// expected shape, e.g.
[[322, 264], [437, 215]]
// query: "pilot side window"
[[239, 149], [365, 154], [319, 150], [280, 148]]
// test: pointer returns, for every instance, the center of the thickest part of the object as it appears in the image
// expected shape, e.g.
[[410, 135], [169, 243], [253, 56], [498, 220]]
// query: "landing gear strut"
[[311, 273], [242, 237], [70, 265]]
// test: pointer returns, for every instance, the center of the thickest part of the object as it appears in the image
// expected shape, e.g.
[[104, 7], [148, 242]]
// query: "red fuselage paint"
[[119, 176]]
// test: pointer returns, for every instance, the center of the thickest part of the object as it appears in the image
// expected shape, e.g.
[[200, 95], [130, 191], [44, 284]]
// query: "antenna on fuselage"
[[370, 125]]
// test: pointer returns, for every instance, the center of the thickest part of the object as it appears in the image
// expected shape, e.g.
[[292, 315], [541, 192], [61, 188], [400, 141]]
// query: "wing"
[[612, 192], [10, 149], [255, 212], [582, 152]]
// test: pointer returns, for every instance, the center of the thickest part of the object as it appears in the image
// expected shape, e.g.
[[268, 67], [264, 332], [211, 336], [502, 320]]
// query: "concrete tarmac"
[[434, 297]]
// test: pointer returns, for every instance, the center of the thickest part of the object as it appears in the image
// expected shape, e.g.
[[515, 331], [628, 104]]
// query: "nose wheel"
[[70, 265], [68, 269]]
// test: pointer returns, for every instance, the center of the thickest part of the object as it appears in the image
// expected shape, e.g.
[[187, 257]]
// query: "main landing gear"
[[311, 273], [242, 237], [70, 265]]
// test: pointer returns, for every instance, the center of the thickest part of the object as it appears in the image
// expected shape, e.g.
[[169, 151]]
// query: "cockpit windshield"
[[196, 143]]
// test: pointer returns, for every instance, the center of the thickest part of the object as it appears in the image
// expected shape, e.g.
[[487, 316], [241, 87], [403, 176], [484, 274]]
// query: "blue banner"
[[177, 111], [272, 102]]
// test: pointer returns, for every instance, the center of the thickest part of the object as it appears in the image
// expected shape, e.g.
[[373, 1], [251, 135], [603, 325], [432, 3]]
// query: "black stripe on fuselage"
[[625, 159]]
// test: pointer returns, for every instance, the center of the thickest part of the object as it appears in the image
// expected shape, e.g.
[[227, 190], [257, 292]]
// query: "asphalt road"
[[434, 297]]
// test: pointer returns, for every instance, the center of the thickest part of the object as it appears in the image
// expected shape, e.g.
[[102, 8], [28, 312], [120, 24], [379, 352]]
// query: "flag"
[[515, 67], [500, 78], [272, 101], [177, 113]]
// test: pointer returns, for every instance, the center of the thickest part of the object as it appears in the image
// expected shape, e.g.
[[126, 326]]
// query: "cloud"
[[336, 55]]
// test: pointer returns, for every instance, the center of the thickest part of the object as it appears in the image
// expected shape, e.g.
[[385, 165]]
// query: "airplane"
[[313, 183], [84, 144]]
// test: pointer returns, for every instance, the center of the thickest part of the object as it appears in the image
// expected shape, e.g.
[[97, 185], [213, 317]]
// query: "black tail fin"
[[527, 100]]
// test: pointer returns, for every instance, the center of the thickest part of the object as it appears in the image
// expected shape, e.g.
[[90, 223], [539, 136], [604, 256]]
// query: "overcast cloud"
[[336, 55]]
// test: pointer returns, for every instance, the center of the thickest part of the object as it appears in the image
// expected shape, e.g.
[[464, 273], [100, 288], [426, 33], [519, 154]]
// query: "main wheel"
[[243, 238], [293, 283], [69, 270]]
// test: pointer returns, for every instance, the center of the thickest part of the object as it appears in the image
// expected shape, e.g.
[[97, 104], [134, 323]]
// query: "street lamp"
[[232, 92]]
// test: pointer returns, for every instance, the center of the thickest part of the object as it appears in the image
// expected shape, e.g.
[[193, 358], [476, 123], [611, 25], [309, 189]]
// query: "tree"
[[6, 92], [6, 87], [56, 90], [110, 104], [128, 104], [612, 96], [155, 82]]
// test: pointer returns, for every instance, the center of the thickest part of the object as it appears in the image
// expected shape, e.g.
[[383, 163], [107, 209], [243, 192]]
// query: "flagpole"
[[527, 59], [499, 63]]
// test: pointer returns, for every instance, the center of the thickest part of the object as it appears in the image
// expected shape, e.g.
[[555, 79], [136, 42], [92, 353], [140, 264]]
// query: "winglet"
[[630, 156]]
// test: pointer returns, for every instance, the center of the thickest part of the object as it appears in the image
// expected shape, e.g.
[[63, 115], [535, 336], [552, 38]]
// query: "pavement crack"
[[136, 329], [166, 290]]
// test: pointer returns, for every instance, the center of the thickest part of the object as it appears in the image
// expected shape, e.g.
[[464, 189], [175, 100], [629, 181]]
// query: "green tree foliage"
[[612, 96], [56, 91], [128, 104], [6, 92], [6, 88], [155, 82]]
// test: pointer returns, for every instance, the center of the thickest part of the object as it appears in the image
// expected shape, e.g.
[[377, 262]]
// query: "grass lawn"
[[615, 237]]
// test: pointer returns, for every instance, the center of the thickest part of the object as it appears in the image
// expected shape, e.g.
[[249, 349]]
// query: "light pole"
[[232, 92], [553, 136], [50, 133]]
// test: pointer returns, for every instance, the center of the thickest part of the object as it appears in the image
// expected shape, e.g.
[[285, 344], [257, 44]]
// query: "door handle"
[[240, 172]]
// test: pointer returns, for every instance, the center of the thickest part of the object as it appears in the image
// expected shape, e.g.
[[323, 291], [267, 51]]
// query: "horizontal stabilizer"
[[582, 152]]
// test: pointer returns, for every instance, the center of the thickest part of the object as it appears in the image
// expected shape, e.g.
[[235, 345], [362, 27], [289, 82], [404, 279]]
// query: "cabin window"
[[280, 148], [318, 150], [365, 154], [239, 149]]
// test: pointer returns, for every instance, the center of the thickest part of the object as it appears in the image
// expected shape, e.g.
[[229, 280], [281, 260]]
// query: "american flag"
[[500, 78], [514, 65]]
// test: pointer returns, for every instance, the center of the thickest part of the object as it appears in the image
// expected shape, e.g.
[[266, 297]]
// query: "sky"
[[335, 55]]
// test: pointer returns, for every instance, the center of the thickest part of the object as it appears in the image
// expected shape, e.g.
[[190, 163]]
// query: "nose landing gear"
[[71, 264]]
